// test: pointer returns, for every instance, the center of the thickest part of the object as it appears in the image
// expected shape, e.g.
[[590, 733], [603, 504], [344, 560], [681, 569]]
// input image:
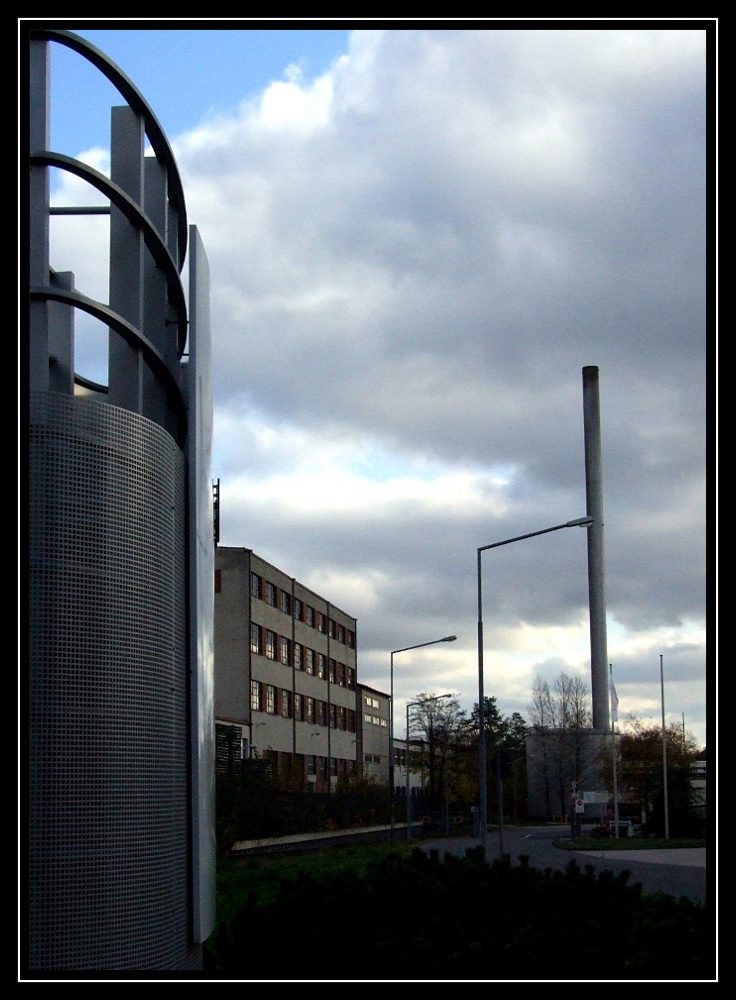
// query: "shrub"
[[468, 920]]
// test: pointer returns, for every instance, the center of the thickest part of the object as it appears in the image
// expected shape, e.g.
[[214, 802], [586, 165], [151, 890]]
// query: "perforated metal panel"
[[108, 690]]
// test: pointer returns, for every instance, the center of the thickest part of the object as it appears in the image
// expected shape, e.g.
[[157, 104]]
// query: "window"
[[286, 704], [333, 766], [298, 705], [271, 594], [332, 671], [341, 675], [351, 721], [298, 609], [332, 626], [255, 585], [321, 622], [309, 660], [320, 664], [341, 716], [255, 638], [284, 650], [311, 764], [309, 709], [297, 656], [321, 713], [333, 717], [351, 679], [285, 602], [350, 637], [323, 768], [341, 633], [309, 616], [270, 644], [271, 699], [383, 723], [255, 696], [367, 717]]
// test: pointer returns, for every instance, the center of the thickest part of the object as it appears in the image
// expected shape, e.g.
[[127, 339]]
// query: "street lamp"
[[404, 649], [581, 522], [410, 704]]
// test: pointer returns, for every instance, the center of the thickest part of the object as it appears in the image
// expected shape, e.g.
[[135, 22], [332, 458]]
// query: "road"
[[675, 872]]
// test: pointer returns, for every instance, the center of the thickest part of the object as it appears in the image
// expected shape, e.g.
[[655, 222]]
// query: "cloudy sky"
[[418, 238]]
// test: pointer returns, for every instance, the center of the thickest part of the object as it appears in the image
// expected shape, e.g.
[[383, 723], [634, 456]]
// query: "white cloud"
[[413, 257]]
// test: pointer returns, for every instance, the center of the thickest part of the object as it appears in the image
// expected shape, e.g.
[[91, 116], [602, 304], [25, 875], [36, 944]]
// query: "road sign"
[[579, 805]]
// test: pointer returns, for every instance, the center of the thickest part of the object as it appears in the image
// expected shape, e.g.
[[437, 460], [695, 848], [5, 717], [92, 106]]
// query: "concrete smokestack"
[[596, 560]]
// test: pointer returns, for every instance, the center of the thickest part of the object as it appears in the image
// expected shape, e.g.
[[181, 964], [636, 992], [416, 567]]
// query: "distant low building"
[[562, 765]]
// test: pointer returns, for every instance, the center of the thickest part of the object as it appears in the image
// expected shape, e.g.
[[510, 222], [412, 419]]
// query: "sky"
[[418, 237]]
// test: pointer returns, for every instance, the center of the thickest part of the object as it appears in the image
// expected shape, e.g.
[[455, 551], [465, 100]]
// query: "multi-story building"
[[285, 673]]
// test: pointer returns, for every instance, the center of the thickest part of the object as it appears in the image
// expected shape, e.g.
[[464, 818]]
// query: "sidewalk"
[[692, 857]]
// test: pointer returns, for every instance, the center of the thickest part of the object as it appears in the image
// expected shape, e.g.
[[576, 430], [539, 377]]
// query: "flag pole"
[[614, 717]]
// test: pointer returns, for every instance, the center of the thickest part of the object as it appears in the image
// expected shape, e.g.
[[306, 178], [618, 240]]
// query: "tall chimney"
[[596, 561]]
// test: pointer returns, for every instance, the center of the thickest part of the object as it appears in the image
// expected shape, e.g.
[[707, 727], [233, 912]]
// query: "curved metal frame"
[[137, 218], [127, 331], [128, 90]]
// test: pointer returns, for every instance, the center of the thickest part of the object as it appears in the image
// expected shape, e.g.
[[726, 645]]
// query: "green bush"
[[416, 917]]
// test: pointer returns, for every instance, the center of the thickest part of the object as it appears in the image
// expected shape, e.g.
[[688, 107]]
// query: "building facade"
[[375, 719], [121, 554], [286, 685]]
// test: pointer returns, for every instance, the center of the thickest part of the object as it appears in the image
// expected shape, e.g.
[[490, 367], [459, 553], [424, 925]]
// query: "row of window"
[[282, 599], [268, 643], [292, 705], [375, 720], [337, 766]]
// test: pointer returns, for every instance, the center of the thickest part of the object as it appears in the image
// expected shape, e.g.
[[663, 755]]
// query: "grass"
[[240, 878]]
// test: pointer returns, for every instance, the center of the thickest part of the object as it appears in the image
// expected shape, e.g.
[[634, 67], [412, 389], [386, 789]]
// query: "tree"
[[507, 733], [640, 775], [505, 750], [561, 718], [440, 723]]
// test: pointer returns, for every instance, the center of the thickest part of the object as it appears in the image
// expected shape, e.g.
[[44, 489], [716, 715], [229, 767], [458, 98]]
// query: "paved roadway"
[[675, 871]]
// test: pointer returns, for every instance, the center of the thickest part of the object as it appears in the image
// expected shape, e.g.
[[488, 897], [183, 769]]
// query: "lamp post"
[[404, 649], [410, 704], [664, 756], [582, 522]]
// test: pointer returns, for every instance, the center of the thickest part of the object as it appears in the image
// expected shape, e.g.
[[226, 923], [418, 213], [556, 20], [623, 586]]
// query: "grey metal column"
[[156, 310], [126, 259], [38, 353], [596, 559]]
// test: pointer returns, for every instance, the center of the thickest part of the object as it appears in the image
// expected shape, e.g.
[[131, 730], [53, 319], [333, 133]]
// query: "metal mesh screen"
[[107, 690]]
